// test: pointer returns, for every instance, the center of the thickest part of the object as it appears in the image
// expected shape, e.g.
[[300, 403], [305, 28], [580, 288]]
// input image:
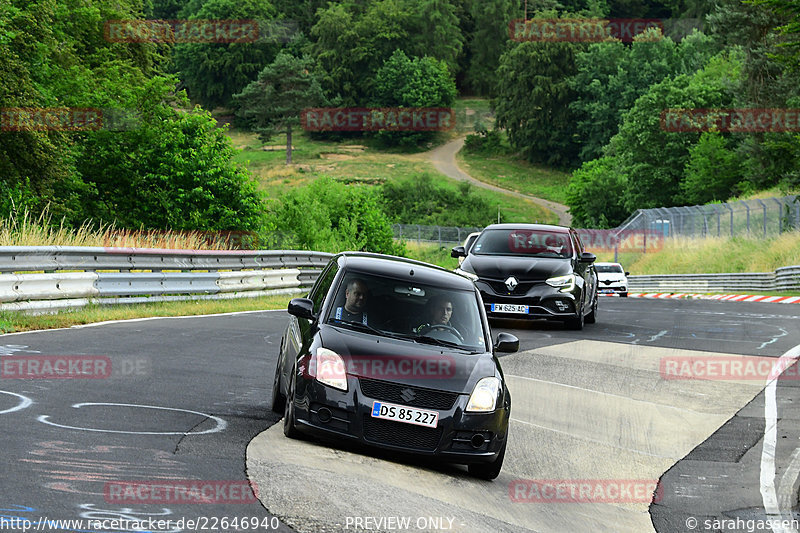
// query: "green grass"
[[516, 175], [713, 255], [360, 163], [11, 321]]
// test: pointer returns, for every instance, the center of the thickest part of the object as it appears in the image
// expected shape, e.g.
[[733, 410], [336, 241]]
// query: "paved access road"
[[187, 396]]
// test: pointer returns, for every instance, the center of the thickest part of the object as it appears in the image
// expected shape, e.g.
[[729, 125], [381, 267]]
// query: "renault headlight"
[[468, 275], [564, 283], [484, 397], [330, 369]]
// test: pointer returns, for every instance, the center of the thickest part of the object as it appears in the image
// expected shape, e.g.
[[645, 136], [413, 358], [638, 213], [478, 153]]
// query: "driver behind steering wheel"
[[439, 311]]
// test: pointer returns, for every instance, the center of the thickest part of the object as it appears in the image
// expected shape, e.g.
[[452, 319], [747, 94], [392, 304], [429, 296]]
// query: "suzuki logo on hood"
[[408, 395], [511, 283]]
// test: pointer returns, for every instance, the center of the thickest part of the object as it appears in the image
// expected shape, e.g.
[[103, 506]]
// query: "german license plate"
[[402, 413], [509, 308]]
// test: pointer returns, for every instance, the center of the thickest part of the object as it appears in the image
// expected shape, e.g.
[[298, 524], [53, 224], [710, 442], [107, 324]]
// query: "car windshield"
[[527, 242], [608, 269], [413, 311]]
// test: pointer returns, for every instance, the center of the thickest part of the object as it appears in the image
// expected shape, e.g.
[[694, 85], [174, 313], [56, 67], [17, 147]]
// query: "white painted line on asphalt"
[[640, 452], [767, 478], [24, 402], [220, 423], [122, 321]]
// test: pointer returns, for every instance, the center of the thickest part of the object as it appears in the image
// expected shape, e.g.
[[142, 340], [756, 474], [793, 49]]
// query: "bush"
[[421, 201], [329, 216], [485, 142]]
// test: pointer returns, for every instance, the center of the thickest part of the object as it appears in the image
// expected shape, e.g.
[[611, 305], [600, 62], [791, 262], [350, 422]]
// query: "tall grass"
[[25, 229], [713, 255]]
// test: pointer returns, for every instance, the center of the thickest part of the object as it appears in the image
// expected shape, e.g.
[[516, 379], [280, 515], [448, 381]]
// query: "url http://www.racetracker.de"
[[199, 523]]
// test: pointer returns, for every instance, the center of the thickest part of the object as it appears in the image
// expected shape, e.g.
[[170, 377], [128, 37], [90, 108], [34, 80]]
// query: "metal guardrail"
[[783, 279], [45, 277]]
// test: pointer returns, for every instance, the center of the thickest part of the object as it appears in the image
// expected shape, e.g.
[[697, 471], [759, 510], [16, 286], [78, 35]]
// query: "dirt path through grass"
[[444, 159]]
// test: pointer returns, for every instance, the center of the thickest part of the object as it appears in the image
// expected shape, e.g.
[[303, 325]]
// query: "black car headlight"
[[484, 396], [468, 275], [330, 369], [563, 283]]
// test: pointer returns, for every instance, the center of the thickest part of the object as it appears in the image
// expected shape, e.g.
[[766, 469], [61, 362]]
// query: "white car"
[[468, 242], [611, 279]]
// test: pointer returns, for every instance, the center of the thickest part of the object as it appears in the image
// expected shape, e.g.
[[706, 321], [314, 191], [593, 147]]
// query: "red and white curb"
[[722, 297]]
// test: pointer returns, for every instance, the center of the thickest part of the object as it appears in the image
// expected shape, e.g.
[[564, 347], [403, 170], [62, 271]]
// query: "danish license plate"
[[509, 308], [402, 413]]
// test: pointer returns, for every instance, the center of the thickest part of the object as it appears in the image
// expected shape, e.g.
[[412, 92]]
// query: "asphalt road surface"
[[177, 427]]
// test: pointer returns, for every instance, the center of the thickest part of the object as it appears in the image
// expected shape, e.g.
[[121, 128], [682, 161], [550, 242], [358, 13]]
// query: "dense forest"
[[595, 108]]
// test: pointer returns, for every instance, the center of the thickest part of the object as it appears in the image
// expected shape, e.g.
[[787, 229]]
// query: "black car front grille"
[[396, 393], [401, 434], [499, 287]]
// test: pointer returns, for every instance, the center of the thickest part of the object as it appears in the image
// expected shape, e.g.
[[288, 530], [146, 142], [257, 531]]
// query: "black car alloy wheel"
[[289, 421]]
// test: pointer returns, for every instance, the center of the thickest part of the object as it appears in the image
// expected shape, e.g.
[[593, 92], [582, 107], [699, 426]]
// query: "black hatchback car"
[[533, 271], [396, 354]]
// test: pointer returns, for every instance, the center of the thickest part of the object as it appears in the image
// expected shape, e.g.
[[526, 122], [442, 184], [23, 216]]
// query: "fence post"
[[764, 206], [747, 206], [780, 215], [728, 206], [440, 235]]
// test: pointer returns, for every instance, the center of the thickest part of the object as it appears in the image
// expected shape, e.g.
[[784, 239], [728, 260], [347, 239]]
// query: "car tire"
[[289, 417], [577, 322], [623, 294], [489, 471], [278, 399], [591, 318]]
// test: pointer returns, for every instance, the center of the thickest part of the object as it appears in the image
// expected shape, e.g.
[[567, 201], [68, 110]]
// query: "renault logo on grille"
[[511, 283], [408, 395]]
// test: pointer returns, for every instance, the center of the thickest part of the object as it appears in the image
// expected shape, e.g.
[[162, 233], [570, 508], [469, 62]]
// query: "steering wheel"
[[443, 327]]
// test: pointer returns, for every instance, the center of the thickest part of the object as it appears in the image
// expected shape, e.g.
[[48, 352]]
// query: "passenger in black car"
[[355, 305]]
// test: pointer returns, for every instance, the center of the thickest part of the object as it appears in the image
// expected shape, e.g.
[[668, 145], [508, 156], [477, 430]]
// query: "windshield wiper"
[[367, 328], [431, 340]]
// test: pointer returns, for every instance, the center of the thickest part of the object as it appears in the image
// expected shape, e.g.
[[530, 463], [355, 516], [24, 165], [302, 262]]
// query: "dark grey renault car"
[[533, 271], [396, 354]]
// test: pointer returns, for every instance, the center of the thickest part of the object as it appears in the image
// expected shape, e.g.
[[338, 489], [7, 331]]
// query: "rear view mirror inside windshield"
[[409, 291]]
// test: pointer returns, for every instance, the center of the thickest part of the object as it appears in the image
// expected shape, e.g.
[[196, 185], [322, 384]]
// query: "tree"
[[611, 76], [712, 171], [654, 157], [532, 103], [173, 171], [595, 194], [440, 36], [214, 72], [489, 40], [273, 103]]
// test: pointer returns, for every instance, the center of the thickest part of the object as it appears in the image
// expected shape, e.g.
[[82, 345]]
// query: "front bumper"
[[617, 287], [346, 415], [543, 301]]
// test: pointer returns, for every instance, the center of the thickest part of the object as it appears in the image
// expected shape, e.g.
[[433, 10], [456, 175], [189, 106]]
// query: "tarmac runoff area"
[[596, 419]]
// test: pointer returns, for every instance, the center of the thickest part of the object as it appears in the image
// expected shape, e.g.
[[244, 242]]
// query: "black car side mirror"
[[506, 342], [588, 257], [458, 251], [302, 308], [627, 273]]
